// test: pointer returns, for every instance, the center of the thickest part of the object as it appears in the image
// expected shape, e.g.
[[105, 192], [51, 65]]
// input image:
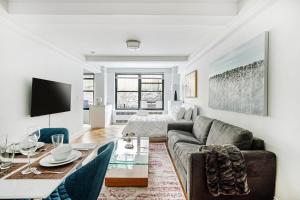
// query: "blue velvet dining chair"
[[86, 182], [46, 134], [103, 147]]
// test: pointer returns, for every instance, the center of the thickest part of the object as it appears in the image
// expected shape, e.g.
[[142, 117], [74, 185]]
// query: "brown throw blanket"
[[225, 170]]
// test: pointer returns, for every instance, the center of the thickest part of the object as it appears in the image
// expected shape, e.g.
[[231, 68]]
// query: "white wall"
[[281, 129], [111, 82], [21, 58]]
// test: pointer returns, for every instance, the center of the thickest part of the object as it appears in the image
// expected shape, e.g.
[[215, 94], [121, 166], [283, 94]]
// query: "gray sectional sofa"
[[184, 141]]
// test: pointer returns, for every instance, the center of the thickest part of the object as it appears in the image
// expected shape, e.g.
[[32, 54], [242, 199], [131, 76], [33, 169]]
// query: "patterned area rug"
[[163, 182]]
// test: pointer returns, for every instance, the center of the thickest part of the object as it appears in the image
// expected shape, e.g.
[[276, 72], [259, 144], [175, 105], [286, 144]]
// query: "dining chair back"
[[46, 134], [86, 182]]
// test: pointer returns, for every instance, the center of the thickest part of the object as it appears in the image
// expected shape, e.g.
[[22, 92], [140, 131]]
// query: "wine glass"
[[7, 156], [57, 140], [34, 130], [27, 147], [3, 146]]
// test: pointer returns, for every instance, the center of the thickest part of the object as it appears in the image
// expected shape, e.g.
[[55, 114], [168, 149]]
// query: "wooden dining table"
[[15, 185]]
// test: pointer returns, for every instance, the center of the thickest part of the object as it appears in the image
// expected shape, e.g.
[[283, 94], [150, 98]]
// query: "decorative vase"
[[128, 139], [175, 96]]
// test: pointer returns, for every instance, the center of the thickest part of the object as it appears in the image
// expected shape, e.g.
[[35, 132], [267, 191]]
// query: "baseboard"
[[79, 133]]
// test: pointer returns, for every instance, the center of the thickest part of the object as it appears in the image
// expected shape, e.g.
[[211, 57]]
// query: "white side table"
[[100, 116]]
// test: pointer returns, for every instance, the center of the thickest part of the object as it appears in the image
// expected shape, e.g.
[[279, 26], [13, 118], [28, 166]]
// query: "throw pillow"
[[188, 114], [180, 113]]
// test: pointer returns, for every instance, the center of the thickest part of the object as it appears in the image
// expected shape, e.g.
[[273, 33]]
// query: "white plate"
[[71, 157], [46, 161]]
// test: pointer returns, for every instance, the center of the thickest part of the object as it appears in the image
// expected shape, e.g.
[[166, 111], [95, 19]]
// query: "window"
[[135, 91], [152, 92], [88, 90], [127, 92]]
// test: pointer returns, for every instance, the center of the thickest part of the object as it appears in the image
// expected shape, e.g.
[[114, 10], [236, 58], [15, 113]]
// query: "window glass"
[[151, 87], [127, 100], [88, 90], [89, 97], [128, 84], [152, 76], [88, 84], [151, 100]]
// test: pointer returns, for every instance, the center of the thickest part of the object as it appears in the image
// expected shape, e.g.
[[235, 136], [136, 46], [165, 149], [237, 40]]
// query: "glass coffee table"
[[129, 167]]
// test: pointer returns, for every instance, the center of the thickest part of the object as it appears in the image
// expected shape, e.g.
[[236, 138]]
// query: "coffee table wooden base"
[[133, 176], [126, 182]]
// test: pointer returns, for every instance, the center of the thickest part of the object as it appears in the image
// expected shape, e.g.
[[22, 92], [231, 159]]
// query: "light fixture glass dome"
[[133, 45]]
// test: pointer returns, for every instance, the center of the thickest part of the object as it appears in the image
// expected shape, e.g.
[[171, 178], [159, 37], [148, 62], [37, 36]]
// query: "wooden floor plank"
[[101, 135]]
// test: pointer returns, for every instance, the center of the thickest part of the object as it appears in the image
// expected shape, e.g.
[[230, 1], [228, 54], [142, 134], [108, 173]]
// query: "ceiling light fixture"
[[133, 45]]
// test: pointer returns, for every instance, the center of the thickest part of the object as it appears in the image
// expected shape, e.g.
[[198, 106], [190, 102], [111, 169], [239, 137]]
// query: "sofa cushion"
[[201, 128], [181, 172], [182, 151], [175, 136], [223, 133]]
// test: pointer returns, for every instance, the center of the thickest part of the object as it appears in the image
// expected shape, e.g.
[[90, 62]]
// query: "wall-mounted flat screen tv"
[[49, 97]]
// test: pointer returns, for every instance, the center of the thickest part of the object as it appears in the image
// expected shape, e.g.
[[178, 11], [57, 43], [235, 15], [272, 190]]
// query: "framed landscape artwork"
[[190, 85], [238, 80]]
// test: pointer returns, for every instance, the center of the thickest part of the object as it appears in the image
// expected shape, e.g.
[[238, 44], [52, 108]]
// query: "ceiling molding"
[[240, 21], [52, 7], [98, 58], [4, 5], [20, 30], [129, 20]]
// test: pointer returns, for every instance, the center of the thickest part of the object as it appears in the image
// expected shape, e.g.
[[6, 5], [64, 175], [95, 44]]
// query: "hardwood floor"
[[101, 135]]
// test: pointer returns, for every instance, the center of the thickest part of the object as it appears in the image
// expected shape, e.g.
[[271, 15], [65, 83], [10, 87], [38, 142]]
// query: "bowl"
[[61, 152]]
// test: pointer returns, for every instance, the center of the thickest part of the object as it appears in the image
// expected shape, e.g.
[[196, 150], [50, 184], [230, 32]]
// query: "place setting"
[[7, 154], [38, 148], [66, 153], [60, 156], [30, 158], [58, 160]]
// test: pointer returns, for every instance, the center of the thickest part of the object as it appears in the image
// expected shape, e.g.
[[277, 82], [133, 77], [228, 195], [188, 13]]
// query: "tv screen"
[[49, 97]]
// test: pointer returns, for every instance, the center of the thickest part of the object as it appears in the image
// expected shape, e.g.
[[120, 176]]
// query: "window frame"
[[93, 90], [140, 91]]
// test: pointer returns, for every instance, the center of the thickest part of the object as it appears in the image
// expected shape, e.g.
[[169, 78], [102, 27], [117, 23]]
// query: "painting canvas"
[[238, 80], [190, 85]]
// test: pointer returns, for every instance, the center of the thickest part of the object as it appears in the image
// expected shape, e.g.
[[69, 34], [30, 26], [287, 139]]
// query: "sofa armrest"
[[261, 174], [181, 126]]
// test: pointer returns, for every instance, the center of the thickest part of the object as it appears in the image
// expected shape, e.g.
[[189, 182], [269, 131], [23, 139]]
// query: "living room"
[[139, 54]]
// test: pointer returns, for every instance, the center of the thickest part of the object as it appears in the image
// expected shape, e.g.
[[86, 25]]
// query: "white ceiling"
[[166, 28]]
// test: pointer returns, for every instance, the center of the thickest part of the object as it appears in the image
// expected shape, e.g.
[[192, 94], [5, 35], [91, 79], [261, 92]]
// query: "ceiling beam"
[[98, 58], [72, 7], [146, 20]]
